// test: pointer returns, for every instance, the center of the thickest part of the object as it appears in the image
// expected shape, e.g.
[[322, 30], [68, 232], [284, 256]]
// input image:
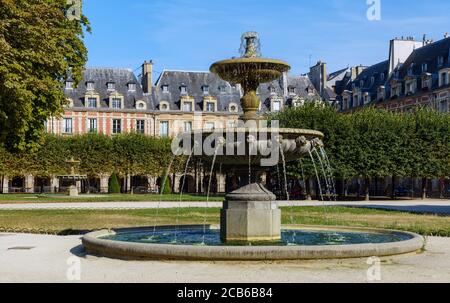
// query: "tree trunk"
[[367, 188], [308, 189], [424, 188], [393, 187]]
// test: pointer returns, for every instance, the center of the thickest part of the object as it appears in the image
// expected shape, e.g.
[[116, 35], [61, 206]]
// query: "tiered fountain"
[[250, 227], [73, 177]]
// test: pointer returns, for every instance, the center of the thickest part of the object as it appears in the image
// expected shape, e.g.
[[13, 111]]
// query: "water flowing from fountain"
[[181, 192], [209, 189], [322, 167], [317, 175], [330, 171], [161, 189], [286, 190]]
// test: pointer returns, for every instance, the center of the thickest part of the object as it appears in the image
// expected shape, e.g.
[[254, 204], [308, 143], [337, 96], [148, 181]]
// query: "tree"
[[114, 186], [165, 183], [39, 49]]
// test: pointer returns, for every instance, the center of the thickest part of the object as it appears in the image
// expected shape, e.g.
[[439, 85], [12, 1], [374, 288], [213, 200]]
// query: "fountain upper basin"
[[241, 70]]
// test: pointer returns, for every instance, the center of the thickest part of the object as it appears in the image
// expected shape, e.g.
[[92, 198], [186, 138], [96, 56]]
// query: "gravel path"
[[40, 258], [440, 207]]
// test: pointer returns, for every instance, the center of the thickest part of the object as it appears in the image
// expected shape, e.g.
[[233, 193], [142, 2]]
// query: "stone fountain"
[[73, 177], [250, 220], [251, 212]]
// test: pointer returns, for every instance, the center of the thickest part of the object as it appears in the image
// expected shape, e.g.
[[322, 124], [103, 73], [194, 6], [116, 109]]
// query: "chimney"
[[356, 71], [147, 76]]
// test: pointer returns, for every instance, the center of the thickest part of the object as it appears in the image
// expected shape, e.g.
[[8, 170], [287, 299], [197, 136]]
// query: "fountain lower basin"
[[297, 243]]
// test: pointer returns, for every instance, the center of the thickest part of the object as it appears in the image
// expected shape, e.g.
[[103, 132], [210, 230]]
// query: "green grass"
[[70, 221], [55, 198]]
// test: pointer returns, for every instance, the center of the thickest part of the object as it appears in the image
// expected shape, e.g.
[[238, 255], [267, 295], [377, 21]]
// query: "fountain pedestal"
[[250, 214]]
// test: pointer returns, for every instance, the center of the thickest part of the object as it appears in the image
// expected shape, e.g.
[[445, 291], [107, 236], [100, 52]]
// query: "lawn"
[[76, 221], [55, 198]]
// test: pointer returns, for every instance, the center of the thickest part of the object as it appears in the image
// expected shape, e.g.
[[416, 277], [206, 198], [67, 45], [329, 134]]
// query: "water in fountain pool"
[[196, 236]]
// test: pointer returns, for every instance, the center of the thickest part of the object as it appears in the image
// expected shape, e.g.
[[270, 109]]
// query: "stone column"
[[29, 184], [151, 182], [221, 183], [78, 185], [104, 180], [177, 184], [5, 188], [54, 184]]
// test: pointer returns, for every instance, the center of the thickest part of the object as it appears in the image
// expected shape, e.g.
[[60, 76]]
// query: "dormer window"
[[210, 106], [233, 108], [291, 90], [276, 105], [116, 103], [222, 89], [272, 90], [205, 89], [165, 88], [141, 105], [440, 61], [90, 85], [372, 80], [361, 83], [382, 76], [92, 102], [424, 67], [69, 85], [132, 87], [187, 106], [164, 105], [183, 89], [111, 86]]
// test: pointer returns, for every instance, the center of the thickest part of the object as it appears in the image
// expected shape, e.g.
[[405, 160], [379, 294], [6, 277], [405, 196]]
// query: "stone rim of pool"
[[95, 245]]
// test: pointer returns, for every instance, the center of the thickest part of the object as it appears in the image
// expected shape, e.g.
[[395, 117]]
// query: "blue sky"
[[192, 34]]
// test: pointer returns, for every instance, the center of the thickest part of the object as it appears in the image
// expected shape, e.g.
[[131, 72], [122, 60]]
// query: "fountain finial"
[[250, 45]]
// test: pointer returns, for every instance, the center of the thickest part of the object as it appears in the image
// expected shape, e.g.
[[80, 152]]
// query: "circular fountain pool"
[[193, 243]]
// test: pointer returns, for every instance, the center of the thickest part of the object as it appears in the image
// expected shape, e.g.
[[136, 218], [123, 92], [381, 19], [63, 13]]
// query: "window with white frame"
[[69, 85], [276, 105], [222, 89], [187, 126], [116, 126], [272, 90], [183, 89], [67, 126], [90, 85], [210, 107], [443, 79], [116, 103], [205, 89], [132, 87], [111, 86], [164, 128], [92, 103], [187, 106], [424, 67], [291, 90], [165, 88], [92, 125], [140, 126], [210, 125]]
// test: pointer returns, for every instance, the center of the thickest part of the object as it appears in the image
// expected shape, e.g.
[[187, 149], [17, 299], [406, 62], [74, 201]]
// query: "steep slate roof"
[[100, 77], [376, 71], [301, 84], [428, 54], [194, 82]]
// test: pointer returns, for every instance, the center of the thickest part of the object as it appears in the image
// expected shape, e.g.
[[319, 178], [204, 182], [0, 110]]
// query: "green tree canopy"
[[39, 48]]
